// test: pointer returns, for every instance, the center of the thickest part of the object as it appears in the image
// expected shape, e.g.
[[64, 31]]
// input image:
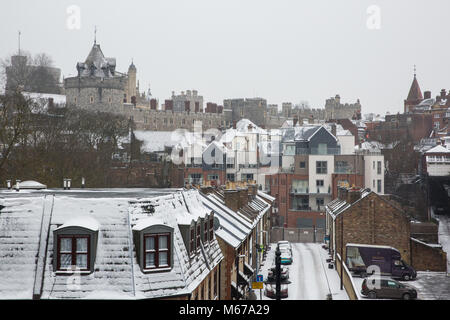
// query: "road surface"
[[309, 274]]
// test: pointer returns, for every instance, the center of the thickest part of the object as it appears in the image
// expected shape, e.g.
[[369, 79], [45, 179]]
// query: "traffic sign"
[[259, 278], [257, 285]]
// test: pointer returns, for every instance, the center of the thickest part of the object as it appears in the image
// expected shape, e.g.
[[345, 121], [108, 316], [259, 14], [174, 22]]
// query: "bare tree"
[[15, 118], [34, 74]]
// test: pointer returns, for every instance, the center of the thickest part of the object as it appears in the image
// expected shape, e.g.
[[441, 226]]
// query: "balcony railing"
[[300, 208], [317, 151], [321, 190], [343, 170], [299, 190]]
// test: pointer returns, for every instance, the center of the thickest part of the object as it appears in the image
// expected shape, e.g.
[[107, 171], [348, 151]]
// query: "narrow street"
[[309, 274]]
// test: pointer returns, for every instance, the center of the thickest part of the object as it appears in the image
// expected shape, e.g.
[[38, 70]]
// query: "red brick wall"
[[372, 220], [427, 258]]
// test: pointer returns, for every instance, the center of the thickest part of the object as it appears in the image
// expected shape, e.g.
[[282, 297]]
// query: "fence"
[[298, 235]]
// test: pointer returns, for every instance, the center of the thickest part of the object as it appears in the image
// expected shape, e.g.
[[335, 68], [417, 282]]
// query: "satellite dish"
[[216, 223]]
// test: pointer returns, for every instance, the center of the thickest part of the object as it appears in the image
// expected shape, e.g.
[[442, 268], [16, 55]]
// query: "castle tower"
[[131, 86]]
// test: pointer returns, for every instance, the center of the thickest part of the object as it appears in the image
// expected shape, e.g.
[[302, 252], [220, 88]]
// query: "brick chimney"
[[252, 190], [295, 121], [333, 129], [232, 199], [206, 189], [443, 93], [353, 195], [342, 193], [243, 197]]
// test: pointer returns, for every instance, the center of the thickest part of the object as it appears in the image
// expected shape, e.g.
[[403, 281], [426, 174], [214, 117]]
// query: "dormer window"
[[154, 245], [211, 227], [75, 245], [192, 241], [198, 235], [205, 230], [157, 251]]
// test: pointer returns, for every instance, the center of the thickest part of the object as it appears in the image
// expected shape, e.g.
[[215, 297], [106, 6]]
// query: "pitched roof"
[[438, 149], [415, 93]]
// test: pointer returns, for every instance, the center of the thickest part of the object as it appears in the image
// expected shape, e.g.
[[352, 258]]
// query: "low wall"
[[349, 285], [297, 235], [428, 257]]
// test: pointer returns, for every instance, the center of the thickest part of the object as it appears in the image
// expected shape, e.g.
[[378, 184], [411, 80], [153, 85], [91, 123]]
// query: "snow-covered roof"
[[235, 226], [30, 184], [86, 222], [438, 149], [247, 126], [57, 98], [337, 206], [265, 195], [117, 274]]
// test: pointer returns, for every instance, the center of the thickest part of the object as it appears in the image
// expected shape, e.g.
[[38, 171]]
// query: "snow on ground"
[[444, 236], [431, 285], [309, 274]]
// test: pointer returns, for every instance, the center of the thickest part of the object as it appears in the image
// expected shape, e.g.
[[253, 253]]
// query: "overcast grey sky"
[[282, 50]]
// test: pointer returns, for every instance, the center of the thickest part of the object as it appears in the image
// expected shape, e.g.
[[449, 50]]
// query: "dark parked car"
[[270, 289], [284, 274], [387, 288]]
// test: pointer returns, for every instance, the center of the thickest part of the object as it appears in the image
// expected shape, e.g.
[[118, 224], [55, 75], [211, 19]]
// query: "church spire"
[[415, 94]]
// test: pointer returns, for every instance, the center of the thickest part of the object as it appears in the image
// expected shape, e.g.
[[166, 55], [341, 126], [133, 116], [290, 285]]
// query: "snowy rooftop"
[[117, 274], [438, 149]]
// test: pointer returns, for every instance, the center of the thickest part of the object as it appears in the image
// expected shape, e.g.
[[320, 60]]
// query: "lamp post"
[[278, 274]]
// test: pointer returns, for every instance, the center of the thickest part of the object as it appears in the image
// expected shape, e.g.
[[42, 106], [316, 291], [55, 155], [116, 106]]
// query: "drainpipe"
[[342, 251]]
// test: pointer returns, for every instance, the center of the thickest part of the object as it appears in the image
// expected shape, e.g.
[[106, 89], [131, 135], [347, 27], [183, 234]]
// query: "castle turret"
[[131, 87]]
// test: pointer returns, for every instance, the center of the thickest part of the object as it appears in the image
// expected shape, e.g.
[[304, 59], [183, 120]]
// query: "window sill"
[[70, 272], [157, 270]]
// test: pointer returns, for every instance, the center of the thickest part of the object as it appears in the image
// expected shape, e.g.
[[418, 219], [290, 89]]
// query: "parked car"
[[270, 290], [284, 274], [286, 256], [388, 288], [388, 259], [284, 244]]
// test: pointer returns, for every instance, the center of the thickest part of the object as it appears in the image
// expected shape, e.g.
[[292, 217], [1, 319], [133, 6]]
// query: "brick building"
[[364, 217], [367, 218]]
